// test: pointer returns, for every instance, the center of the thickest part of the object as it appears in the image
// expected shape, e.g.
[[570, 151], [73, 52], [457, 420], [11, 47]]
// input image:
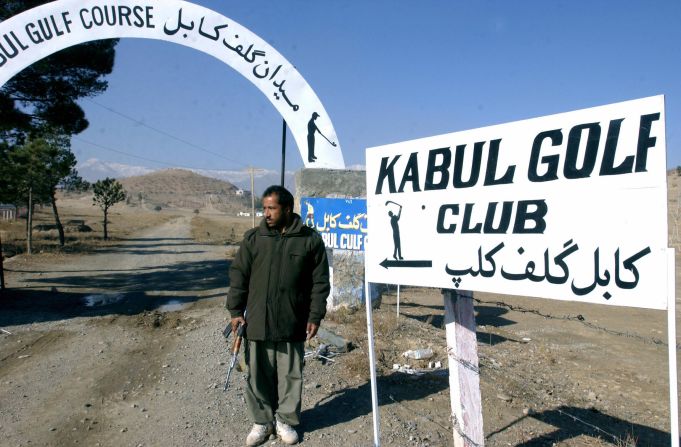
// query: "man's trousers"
[[275, 381]]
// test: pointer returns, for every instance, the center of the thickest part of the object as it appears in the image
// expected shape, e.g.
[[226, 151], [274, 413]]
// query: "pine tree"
[[39, 166], [108, 192], [45, 93]]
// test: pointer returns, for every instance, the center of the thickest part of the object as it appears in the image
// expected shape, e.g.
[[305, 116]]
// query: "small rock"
[[418, 354], [504, 397]]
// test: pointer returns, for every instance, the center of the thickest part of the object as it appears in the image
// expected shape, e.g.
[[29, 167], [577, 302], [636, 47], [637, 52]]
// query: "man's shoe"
[[259, 434], [287, 433]]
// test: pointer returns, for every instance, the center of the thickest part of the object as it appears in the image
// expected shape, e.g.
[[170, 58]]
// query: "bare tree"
[[108, 192]]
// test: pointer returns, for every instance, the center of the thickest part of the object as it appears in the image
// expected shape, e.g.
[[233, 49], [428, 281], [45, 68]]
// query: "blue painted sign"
[[341, 222]]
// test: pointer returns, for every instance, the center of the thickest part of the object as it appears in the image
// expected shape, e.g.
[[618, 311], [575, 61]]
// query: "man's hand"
[[236, 321], [312, 330]]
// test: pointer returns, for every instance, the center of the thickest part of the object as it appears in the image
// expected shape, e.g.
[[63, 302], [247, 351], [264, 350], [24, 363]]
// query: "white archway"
[[44, 30]]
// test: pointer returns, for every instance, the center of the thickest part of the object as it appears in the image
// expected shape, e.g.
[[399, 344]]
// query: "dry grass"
[[392, 337], [674, 209], [219, 229], [629, 440], [342, 315], [230, 252], [123, 221]]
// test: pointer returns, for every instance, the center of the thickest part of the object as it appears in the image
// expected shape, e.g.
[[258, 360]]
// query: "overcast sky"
[[386, 71]]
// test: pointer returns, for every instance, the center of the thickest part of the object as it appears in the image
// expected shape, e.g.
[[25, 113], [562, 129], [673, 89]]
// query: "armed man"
[[280, 277]]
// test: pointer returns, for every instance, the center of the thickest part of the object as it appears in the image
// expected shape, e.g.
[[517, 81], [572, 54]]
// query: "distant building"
[[8, 212], [244, 214], [239, 192]]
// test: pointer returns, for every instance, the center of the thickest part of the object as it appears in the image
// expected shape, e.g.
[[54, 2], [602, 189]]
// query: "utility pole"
[[283, 151], [252, 170], [252, 198]]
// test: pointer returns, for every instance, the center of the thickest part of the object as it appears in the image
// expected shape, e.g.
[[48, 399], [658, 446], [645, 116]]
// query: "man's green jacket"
[[281, 280]]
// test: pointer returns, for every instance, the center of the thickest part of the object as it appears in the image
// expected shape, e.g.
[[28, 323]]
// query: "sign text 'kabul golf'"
[[570, 206]]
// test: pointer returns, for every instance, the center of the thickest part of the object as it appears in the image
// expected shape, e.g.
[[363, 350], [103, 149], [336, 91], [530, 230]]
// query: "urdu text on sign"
[[570, 206], [342, 223]]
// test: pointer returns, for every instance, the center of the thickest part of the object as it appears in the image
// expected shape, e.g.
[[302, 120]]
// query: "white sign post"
[[372, 362], [570, 207], [671, 340], [46, 29]]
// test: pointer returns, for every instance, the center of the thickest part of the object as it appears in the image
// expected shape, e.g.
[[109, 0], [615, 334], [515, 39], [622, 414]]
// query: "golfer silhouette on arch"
[[394, 223], [311, 129]]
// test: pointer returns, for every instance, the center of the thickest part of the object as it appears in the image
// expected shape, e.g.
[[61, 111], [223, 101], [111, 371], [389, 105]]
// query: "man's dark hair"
[[284, 197]]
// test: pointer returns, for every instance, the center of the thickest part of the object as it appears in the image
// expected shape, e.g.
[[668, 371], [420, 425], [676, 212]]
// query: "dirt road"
[[124, 348], [93, 363]]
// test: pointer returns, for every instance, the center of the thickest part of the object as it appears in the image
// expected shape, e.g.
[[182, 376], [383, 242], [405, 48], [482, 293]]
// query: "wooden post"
[[2, 269], [464, 373]]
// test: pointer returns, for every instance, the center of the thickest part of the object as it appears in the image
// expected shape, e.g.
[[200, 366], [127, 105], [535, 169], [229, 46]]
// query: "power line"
[[138, 156], [164, 133]]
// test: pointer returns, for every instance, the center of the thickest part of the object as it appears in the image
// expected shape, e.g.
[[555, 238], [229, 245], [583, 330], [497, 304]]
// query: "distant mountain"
[[262, 178], [184, 189], [94, 169]]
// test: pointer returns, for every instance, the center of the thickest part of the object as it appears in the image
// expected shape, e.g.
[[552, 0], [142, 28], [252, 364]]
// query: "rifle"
[[238, 337]]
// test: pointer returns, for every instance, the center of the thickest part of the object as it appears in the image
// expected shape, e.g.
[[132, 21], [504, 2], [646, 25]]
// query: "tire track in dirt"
[[89, 366]]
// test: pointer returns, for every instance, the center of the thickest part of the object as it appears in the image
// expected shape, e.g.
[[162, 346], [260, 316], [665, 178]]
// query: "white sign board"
[[46, 29], [570, 206]]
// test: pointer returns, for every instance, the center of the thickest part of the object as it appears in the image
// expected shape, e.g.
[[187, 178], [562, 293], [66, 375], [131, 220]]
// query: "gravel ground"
[[124, 347]]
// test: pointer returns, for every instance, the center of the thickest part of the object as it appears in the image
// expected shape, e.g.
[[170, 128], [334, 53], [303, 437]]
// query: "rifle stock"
[[239, 336]]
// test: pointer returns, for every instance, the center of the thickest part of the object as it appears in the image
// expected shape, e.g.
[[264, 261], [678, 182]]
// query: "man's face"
[[275, 214]]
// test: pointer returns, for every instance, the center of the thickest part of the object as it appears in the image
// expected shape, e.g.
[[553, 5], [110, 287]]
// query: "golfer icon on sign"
[[311, 130], [395, 224], [395, 214]]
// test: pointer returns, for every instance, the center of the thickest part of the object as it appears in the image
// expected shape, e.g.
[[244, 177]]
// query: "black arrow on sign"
[[385, 263]]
